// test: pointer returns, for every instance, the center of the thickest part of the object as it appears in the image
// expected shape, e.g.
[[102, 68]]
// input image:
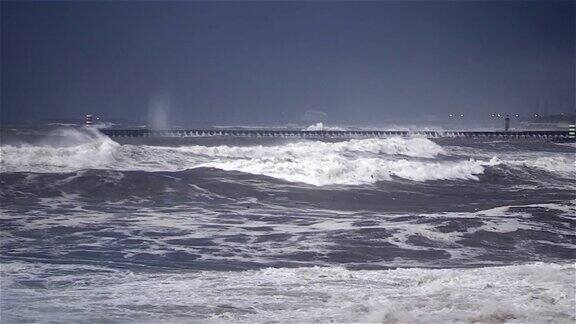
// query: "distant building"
[[537, 121]]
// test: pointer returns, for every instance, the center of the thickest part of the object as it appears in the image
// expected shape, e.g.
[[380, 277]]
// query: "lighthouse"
[[89, 120]]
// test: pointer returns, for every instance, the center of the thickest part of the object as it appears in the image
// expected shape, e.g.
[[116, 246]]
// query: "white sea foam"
[[335, 169], [352, 162], [531, 293], [96, 153], [572, 144], [322, 127], [413, 147], [557, 163], [313, 162]]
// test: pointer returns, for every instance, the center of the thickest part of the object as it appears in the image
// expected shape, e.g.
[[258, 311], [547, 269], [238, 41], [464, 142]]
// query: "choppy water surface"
[[285, 230]]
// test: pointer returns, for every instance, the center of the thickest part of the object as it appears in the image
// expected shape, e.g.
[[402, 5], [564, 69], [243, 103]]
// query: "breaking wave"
[[78, 151], [334, 169], [322, 127], [540, 292], [562, 164], [352, 162]]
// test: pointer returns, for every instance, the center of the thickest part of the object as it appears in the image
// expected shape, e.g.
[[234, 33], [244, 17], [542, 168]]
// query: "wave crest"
[[73, 150], [352, 162], [337, 170]]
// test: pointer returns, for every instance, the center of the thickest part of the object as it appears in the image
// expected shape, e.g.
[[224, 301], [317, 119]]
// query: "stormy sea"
[[267, 230]]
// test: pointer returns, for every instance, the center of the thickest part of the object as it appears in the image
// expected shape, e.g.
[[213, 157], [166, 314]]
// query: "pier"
[[529, 134]]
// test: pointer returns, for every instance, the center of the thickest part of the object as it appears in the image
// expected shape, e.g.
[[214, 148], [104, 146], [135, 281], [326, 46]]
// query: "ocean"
[[274, 230]]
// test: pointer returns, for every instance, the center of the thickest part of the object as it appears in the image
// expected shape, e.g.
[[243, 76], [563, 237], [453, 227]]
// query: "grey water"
[[230, 229]]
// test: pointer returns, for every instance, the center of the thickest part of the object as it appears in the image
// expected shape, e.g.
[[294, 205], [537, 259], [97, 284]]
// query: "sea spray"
[[158, 112]]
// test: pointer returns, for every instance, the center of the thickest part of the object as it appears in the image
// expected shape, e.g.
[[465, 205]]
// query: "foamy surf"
[[352, 162], [278, 230], [531, 293], [336, 170]]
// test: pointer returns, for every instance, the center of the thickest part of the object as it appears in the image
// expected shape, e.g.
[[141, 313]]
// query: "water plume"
[[158, 112]]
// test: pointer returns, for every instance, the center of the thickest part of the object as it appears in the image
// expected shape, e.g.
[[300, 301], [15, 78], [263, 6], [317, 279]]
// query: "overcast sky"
[[270, 62]]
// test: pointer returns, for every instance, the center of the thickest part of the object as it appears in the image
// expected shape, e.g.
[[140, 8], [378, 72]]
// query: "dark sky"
[[270, 62]]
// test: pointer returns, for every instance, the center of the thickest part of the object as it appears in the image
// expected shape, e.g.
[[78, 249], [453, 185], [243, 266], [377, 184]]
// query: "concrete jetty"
[[528, 134]]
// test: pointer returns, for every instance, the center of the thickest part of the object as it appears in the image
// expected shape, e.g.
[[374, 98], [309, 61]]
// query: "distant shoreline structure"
[[557, 135]]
